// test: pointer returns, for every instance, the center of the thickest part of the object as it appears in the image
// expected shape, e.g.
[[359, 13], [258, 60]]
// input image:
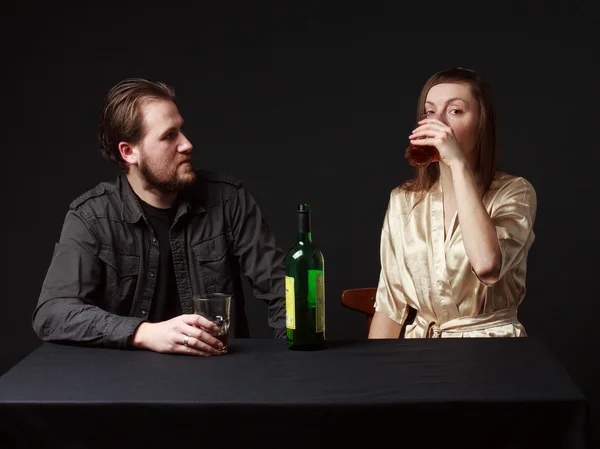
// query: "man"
[[133, 253]]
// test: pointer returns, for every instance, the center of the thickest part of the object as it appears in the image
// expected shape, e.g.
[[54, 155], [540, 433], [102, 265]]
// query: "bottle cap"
[[303, 208]]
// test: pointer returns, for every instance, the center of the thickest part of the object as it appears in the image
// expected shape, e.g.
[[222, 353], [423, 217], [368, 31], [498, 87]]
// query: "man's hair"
[[122, 119]]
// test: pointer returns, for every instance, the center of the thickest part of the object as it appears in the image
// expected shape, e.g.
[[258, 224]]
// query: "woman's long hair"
[[426, 177]]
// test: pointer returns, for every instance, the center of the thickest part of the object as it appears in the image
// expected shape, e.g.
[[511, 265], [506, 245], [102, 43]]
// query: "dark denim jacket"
[[101, 280]]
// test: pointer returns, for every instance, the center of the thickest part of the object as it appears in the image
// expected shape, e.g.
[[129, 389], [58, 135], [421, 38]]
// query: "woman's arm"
[[384, 327], [477, 228], [390, 303]]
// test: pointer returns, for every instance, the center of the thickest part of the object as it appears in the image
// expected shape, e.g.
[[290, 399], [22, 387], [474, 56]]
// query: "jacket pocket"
[[212, 261], [122, 270]]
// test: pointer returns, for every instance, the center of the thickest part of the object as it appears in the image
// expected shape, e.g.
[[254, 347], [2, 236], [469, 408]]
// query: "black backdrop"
[[311, 105]]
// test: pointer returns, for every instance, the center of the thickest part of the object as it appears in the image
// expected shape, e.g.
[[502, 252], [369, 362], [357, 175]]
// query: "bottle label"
[[290, 303], [317, 298]]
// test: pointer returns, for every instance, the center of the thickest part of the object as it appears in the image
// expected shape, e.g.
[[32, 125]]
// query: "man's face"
[[164, 154]]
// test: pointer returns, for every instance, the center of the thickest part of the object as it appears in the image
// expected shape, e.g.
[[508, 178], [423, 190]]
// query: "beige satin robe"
[[434, 276]]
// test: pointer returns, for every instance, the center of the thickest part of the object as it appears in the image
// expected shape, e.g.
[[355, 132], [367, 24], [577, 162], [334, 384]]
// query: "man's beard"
[[166, 181]]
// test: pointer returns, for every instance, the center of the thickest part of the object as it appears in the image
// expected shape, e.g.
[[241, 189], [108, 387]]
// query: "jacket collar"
[[131, 210]]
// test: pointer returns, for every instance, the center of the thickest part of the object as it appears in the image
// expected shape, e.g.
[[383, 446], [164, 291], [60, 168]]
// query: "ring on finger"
[[186, 340]]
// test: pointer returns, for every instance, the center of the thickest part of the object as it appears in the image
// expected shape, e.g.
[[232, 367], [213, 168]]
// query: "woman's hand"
[[435, 133]]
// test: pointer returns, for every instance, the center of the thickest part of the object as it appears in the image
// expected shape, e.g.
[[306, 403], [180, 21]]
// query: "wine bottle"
[[305, 289]]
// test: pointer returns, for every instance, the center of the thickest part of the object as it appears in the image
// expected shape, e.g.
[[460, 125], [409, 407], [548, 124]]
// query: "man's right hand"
[[170, 336]]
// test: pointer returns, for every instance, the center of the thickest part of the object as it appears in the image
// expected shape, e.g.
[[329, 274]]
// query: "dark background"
[[311, 105]]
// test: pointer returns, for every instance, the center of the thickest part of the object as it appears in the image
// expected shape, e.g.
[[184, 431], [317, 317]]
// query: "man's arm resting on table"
[[67, 310], [261, 260]]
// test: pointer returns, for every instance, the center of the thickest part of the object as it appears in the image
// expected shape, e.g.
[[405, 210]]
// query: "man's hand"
[[184, 334]]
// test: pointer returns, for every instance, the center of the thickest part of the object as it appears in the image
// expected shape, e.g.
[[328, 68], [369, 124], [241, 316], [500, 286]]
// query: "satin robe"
[[430, 272]]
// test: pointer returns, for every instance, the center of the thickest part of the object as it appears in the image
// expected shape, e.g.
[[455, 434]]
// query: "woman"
[[455, 239]]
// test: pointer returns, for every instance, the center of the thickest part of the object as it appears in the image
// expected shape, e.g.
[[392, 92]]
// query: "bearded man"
[[134, 252]]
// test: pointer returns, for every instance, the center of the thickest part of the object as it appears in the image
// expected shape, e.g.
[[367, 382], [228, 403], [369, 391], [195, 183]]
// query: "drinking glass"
[[215, 307], [423, 155]]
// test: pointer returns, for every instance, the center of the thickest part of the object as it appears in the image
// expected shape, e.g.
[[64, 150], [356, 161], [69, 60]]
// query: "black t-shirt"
[[165, 304]]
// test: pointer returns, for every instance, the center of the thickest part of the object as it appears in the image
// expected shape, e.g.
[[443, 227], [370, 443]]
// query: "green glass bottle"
[[305, 289]]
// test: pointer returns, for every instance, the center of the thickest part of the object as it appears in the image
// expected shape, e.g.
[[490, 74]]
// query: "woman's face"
[[455, 103]]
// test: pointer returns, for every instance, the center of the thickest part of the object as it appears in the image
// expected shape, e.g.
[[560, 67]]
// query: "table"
[[442, 393]]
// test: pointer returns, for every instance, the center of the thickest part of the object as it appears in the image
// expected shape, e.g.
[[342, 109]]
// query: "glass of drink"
[[423, 155], [215, 307]]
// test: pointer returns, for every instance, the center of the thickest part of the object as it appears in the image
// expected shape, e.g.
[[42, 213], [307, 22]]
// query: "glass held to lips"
[[423, 155]]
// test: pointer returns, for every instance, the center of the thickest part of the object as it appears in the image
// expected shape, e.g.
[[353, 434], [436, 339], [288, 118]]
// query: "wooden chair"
[[363, 300]]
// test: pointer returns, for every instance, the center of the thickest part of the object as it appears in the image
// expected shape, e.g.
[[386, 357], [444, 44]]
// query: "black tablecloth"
[[443, 393]]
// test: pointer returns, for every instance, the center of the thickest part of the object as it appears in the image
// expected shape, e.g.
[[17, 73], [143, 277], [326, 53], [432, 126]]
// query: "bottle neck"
[[304, 237], [304, 234]]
